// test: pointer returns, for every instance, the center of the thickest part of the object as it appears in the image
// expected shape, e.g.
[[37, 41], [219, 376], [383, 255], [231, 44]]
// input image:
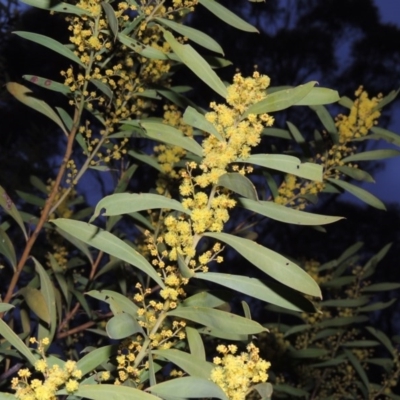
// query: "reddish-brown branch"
[[45, 213], [83, 327]]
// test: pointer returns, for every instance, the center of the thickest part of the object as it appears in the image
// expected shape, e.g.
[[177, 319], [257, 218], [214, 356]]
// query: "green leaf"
[[271, 293], [290, 390], [271, 263], [281, 99], [217, 319], [309, 353], [120, 326], [227, 16], [343, 321], [380, 287], [7, 249], [277, 132], [239, 184], [379, 305], [146, 159], [168, 134], [361, 343], [125, 179], [372, 155], [356, 173], [197, 64], [195, 342], [47, 290], [327, 121], [51, 44], [48, 84], [109, 243], [357, 366], [296, 134], [188, 387], [111, 18], [124, 302], [204, 299], [193, 34], [4, 307], [193, 118], [126, 203], [360, 193], [16, 342], [67, 120], [287, 164], [330, 363], [7, 396], [36, 302], [360, 301], [319, 96], [104, 88], [57, 7], [380, 133], [264, 389], [9, 207], [24, 95], [79, 244], [110, 392], [188, 362], [387, 99], [288, 215]]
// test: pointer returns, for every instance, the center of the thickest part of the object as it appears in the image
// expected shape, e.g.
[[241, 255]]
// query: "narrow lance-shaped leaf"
[[51, 44], [7, 249], [188, 362], [48, 84], [195, 342], [57, 7], [372, 155], [271, 263], [356, 173], [109, 243], [288, 164], [280, 100], [253, 287], [380, 133], [24, 95], [126, 203], [238, 184], [193, 34], [218, 319], [36, 302], [187, 387], [360, 193], [193, 118], [227, 16], [110, 392], [357, 366], [285, 214], [120, 326], [111, 18], [7, 333], [47, 290], [92, 360], [168, 134], [197, 64], [9, 207]]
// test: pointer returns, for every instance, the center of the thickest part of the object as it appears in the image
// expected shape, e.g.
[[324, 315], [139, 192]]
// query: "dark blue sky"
[[387, 186]]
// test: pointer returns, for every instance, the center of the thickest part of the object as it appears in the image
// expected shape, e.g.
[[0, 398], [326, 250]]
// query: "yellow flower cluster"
[[126, 366], [240, 133], [55, 377], [236, 374], [363, 116], [293, 191], [168, 155]]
